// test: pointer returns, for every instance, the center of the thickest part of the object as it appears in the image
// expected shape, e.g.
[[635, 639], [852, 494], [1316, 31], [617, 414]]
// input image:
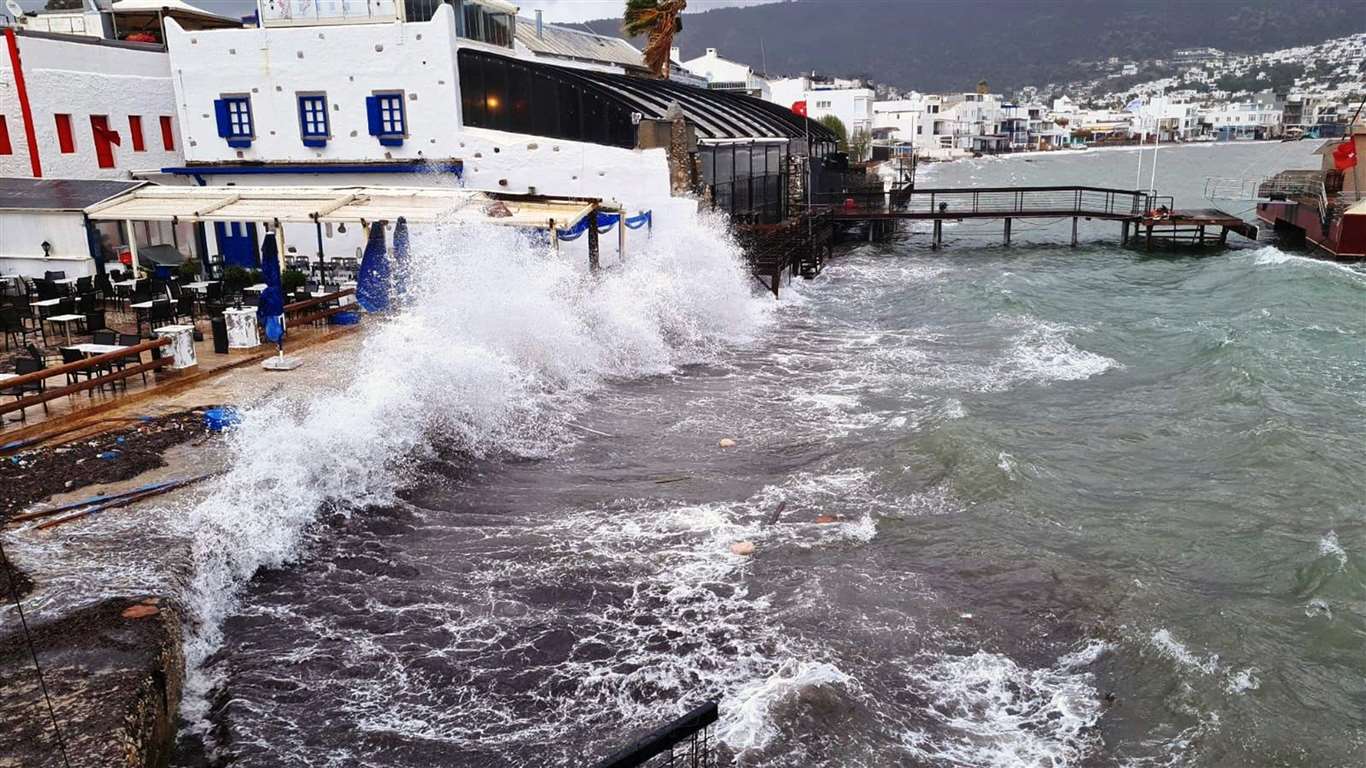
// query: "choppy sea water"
[[1092, 507]]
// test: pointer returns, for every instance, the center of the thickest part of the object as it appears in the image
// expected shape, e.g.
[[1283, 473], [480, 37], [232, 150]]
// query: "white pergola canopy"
[[289, 205]]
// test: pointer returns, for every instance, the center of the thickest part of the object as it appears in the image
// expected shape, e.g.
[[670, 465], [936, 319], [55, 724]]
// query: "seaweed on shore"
[[28, 477]]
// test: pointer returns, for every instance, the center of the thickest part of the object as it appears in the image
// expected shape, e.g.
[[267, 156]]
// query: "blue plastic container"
[[219, 419], [345, 318]]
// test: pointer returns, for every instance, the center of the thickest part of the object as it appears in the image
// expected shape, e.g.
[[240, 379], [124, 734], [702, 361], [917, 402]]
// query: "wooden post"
[[938, 233], [1124, 233], [1150, 236], [1223, 236], [1074, 231], [593, 239], [1202, 235], [1007, 231]]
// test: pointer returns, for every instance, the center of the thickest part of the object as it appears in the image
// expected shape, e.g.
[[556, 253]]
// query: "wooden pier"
[[1145, 219]]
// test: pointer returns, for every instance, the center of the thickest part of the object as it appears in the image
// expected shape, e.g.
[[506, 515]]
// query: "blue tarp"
[[372, 284]]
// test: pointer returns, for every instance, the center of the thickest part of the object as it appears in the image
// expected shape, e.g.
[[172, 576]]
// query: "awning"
[[340, 204], [132, 11]]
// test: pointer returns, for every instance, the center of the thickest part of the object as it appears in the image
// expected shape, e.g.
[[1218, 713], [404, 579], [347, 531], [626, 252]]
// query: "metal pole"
[[593, 239], [322, 268], [1007, 232], [1074, 231], [621, 236], [132, 247]]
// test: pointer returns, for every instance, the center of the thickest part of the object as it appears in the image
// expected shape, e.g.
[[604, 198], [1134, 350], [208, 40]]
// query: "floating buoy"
[[726, 442], [742, 548]]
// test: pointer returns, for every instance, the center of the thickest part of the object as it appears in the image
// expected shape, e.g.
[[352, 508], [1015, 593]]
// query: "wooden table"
[[66, 321]]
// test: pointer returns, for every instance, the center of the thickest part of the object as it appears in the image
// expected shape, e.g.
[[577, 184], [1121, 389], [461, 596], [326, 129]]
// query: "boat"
[[1327, 206]]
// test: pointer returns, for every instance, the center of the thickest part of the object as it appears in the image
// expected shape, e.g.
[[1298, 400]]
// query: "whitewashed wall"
[[84, 78], [21, 244], [347, 62]]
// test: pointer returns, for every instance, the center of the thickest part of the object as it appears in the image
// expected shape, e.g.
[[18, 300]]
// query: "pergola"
[[322, 205]]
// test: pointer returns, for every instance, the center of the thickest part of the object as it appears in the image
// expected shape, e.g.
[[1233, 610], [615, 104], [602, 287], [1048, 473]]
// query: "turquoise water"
[[1091, 507]]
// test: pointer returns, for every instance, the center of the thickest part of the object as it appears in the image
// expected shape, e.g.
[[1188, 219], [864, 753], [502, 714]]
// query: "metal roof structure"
[[59, 195], [715, 114], [563, 42], [290, 204]]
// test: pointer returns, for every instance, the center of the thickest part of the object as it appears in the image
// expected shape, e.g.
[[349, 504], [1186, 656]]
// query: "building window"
[[66, 140], [167, 135], [234, 120], [5, 147], [388, 123], [135, 131], [313, 127], [105, 140]]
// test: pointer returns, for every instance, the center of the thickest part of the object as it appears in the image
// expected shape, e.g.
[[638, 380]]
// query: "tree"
[[837, 126], [659, 21], [860, 145]]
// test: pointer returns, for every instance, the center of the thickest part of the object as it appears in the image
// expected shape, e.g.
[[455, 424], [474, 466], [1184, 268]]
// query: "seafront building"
[[460, 92]]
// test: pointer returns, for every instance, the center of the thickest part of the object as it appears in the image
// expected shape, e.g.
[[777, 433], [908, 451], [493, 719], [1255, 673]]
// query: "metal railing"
[[1002, 202], [297, 314], [687, 742]]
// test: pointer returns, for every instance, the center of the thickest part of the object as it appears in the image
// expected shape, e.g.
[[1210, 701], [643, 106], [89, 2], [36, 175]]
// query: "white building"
[[1168, 119], [81, 107], [43, 227], [898, 120], [431, 97], [723, 74], [1260, 118], [849, 100]]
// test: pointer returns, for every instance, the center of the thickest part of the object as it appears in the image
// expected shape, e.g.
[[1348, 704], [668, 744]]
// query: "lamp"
[[47, 249], [341, 227]]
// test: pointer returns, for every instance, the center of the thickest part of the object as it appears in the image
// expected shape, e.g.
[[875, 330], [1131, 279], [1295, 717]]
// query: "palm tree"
[[659, 21]]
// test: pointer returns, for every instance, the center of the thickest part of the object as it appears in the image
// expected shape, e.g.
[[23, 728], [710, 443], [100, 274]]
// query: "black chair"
[[105, 289], [131, 340], [184, 307], [162, 313], [70, 355], [104, 336], [23, 365], [85, 285], [18, 325], [57, 274], [46, 289], [94, 320]]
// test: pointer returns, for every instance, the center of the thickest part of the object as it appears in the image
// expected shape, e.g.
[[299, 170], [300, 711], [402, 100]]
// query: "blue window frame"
[[313, 123], [234, 120], [388, 121]]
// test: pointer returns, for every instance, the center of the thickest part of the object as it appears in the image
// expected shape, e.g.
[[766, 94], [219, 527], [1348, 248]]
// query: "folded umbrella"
[[372, 284]]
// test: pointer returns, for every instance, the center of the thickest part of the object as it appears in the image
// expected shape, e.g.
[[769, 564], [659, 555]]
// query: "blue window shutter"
[[220, 111], [372, 110]]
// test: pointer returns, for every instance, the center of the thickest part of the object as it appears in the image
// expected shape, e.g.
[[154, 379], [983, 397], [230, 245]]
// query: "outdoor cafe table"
[[140, 308], [45, 303], [66, 321], [91, 350], [199, 286]]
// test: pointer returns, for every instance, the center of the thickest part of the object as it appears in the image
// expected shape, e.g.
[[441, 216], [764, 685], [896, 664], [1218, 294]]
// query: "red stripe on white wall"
[[25, 110]]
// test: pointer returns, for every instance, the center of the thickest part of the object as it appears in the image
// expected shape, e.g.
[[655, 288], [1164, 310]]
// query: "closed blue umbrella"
[[402, 262], [271, 310], [372, 284]]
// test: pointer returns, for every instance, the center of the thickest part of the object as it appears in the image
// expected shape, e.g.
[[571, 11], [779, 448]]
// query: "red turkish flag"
[[1345, 156], [106, 133], [799, 107]]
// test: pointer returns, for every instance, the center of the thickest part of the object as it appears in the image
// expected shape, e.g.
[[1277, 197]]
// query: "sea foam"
[[501, 338]]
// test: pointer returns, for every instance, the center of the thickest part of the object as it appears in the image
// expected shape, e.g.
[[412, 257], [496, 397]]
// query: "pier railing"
[[687, 742], [999, 202]]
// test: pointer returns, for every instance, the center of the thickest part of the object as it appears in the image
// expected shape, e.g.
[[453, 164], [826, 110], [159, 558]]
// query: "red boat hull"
[[1344, 239]]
